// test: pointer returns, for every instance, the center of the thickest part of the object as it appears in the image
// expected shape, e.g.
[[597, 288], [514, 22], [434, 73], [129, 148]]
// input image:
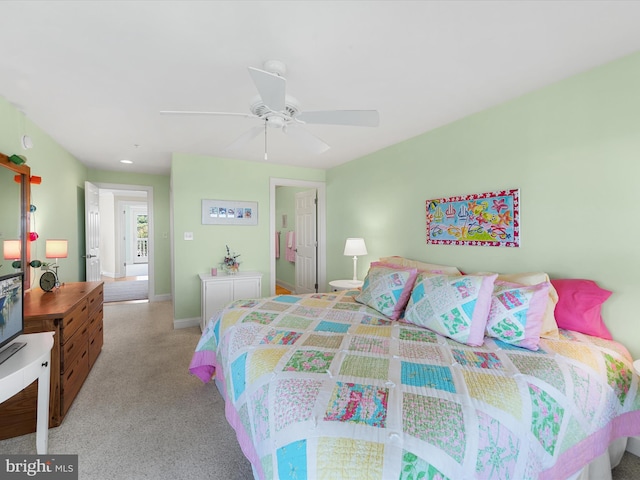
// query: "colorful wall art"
[[227, 212], [484, 219]]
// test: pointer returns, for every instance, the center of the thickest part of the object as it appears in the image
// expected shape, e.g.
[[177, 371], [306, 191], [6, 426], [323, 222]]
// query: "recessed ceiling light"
[[128, 162]]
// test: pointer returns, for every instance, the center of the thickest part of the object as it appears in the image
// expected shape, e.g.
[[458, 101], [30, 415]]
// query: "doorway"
[[126, 239], [283, 221]]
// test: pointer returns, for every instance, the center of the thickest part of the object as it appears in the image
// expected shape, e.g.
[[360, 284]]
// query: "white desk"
[[345, 284], [31, 362]]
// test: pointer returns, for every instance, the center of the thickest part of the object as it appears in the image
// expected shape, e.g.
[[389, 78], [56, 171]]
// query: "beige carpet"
[[140, 414]]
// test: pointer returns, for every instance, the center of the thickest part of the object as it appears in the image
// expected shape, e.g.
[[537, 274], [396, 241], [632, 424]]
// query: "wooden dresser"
[[74, 312]]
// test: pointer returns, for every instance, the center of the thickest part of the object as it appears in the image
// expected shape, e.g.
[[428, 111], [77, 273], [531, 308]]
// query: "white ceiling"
[[95, 74]]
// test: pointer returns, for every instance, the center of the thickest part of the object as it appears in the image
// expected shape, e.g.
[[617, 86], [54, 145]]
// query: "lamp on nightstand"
[[354, 247]]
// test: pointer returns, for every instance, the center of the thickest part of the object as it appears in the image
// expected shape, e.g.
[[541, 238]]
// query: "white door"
[[92, 231], [306, 242]]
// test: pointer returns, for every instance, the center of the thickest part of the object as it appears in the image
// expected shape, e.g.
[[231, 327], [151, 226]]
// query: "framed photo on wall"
[[484, 219], [229, 212]]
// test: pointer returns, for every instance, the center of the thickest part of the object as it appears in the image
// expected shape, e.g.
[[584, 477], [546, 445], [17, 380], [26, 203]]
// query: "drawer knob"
[[45, 364]]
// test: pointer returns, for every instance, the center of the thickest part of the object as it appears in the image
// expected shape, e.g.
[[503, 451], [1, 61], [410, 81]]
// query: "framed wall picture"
[[485, 219], [229, 212]]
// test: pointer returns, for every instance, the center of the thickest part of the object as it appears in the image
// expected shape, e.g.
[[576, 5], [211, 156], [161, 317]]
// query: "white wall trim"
[[633, 445], [322, 227], [165, 297], [186, 323], [149, 190], [291, 288]]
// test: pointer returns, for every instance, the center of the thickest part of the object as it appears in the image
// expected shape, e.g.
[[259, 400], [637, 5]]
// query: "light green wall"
[[162, 246], [194, 178], [286, 205], [573, 151], [59, 200]]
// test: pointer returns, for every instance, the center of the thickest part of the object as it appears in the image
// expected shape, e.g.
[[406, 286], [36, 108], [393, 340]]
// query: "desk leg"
[[42, 426]]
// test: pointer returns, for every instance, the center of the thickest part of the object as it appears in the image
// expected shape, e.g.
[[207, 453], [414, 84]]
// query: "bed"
[[322, 386]]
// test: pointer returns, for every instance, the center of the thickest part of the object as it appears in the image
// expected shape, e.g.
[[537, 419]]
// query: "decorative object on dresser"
[[74, 313], [230, 263], [354, 247], [56, 249], [220, 290]]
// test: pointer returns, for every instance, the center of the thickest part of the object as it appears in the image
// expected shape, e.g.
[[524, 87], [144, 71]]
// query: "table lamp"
[[354, 247], [11, 251], [56, 249]]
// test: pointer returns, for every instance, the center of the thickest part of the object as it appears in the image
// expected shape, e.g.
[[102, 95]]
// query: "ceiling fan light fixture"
[[275, 121], [276, 67]]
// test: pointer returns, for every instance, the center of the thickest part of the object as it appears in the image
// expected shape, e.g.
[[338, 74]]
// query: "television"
[[11, 314]]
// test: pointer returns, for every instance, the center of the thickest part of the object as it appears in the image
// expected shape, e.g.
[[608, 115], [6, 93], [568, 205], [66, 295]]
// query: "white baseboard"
[[633, 446], [165, 297], [186, 323], [289, 287]]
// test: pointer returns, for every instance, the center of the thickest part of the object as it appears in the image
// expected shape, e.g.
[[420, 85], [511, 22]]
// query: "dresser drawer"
[[95, 298], [73, 320], [95, 343], [95, 317], [73, 378], [73, 347]]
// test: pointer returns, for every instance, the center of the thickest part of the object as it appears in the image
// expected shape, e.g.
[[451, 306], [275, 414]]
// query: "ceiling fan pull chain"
[[265, 140]]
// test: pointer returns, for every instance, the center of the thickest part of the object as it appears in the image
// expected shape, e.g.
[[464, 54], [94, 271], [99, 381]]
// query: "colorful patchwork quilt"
[[321, 387]]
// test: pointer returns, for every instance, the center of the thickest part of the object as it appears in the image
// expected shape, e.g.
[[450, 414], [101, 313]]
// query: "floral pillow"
[[386, 288], [517, 313], [549, 327], [455, 306]]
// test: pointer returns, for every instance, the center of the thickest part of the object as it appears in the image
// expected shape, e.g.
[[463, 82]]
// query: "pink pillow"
[[578, 306]]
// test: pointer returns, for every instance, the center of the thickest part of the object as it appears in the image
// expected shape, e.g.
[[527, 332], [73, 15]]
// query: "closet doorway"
[[126, 239], [297, 227]]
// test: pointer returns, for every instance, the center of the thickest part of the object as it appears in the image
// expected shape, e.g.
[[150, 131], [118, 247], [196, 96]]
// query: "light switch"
[[188, 235]]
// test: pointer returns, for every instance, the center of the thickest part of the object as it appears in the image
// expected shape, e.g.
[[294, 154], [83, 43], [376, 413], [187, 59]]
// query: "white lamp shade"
[[56, 249], [11, 249], [354, 247]]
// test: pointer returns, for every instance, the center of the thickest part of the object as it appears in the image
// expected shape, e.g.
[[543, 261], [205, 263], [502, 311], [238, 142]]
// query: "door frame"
[[149, 190], [321, 232]]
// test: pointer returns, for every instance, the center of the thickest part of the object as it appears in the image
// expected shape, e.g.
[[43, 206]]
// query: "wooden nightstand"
[[345, 284]]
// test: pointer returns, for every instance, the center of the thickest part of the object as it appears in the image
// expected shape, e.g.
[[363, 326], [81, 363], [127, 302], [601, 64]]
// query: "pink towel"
[[277, 244], [290, 253]]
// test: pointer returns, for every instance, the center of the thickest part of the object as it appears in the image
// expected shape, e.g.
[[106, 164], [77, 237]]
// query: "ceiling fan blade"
[[271, 87], [305, 139], [360, 118], [190, 112], [245, 138]]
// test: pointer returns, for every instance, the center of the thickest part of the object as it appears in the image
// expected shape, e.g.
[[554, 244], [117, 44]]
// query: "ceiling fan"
[[274, 108]]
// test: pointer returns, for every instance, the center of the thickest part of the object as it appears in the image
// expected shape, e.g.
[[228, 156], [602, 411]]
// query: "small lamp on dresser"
[[56, 249], [11, 251]]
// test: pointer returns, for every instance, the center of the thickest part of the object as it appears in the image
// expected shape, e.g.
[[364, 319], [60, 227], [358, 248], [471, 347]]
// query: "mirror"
[[14, 214]]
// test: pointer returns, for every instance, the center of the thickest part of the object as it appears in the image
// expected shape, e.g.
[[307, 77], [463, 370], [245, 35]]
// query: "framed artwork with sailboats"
[[482, 219]]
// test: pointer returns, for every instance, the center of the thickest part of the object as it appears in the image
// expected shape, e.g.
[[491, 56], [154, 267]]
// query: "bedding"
[[319, 386]]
